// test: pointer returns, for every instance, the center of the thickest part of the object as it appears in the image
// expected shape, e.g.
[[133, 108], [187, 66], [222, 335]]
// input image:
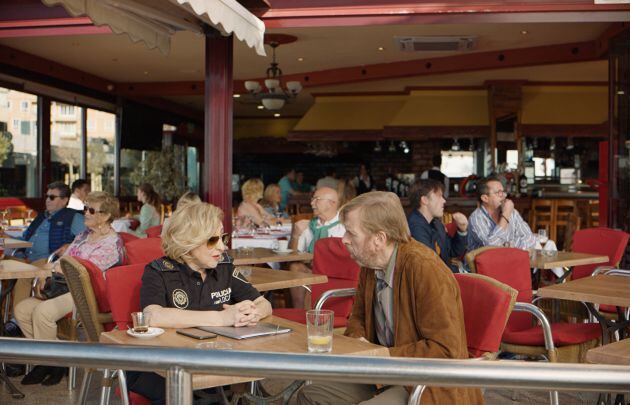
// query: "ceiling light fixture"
[[275, 96], [260, 107], [276, 115], [380, 48], [455, 145], [524, 32], [236, 95], [300, 59]]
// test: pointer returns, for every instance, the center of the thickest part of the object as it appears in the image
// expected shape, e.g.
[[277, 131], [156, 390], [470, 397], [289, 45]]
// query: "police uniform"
[[171, 284]]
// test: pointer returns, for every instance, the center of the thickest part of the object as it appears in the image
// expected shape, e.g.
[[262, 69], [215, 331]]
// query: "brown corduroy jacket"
[[428, 316]]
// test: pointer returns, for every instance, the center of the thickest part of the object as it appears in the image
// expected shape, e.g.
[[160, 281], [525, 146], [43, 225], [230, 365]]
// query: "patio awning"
[[154, 21]]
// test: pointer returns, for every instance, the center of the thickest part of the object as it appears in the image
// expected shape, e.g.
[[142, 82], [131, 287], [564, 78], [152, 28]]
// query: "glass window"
[[18, 149], [100, 149], [65, 142], [458, 164], [512, 159], [544, 167]]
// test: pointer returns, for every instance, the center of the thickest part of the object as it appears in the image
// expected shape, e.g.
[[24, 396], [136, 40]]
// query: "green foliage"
[[164, 171], [6, 145]]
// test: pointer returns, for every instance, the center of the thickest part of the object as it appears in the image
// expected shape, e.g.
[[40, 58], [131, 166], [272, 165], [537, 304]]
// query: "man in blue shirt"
[[425, 222], [54, 229]]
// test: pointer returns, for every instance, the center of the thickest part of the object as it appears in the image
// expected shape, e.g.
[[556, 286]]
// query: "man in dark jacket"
[[55, 228], [425, 222]]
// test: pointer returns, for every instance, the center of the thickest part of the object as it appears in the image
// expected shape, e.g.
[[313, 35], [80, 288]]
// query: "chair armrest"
[[544, 322], [341, 292], [416, 395], [606, 269]]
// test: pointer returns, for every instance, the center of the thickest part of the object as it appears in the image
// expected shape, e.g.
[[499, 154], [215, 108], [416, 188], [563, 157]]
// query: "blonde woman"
[[193, 285], [100, 244], [186, 198], [271, 201], [252, 191]]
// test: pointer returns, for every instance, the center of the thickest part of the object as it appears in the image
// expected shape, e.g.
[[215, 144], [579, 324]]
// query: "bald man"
[[325, 224]]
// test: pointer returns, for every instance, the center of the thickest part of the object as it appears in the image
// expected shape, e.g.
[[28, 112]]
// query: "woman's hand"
[[244, 313]]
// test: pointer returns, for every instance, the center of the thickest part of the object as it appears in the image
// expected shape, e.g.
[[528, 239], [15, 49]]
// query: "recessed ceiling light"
[[146, 72], [260, 107], [524, 32], [300, 59], [236, 95], [276, 115], [380, 48]]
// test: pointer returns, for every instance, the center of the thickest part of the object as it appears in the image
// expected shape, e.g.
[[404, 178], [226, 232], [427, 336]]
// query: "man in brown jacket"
[[407, 300]]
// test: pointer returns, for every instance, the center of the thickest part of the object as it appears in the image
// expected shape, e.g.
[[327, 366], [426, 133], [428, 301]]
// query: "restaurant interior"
[[534, 92]]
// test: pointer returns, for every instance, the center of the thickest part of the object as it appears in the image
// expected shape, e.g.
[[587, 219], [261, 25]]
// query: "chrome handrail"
[[180, 363], [336, 293]]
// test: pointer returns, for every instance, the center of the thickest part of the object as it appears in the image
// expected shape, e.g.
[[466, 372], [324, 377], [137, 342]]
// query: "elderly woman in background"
[[150, 211], [346, 191], [252, 191], [101, 245], [271, 201], [194, 285]]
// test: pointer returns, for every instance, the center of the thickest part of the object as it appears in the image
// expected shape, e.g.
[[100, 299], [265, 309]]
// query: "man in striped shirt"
[[496, 222]]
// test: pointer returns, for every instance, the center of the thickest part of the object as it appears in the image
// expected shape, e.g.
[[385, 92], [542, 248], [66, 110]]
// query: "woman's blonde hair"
[[268, 195], [109, 204], [252, 189], [187, 198], [380, 211], [189, 227]]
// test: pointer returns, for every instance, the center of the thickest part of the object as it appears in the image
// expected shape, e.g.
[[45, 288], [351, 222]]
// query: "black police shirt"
[[171, 284]]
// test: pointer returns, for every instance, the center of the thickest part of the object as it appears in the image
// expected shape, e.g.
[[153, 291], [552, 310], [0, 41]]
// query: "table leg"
[[15, 393]]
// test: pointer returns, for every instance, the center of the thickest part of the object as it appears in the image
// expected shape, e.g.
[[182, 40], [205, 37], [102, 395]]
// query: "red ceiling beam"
[[613, 30], [319, 13], [542, 55]]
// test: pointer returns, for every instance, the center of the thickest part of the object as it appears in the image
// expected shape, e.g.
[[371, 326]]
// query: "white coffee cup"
[[283, 245]]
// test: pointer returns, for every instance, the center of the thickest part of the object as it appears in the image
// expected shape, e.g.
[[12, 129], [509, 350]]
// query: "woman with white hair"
[[194, 284], [252, 191]]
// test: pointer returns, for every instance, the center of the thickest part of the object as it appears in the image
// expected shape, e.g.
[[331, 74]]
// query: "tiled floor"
[[59, 394]]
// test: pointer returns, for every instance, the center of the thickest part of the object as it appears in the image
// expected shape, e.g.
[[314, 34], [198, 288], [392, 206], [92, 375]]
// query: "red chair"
[[123, 293], [127, 237], [154, 231], [331, 258], [600, 241], [143, 251], [451, 229], [511, 266], [487, 305]]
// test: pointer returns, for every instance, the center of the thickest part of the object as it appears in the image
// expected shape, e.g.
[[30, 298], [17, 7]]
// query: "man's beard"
[[365, 258]]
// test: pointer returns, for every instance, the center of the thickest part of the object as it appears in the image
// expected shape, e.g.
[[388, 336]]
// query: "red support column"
[[218, 87], [44, 149]]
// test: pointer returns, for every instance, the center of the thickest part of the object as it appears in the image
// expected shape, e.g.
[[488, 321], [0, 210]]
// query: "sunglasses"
[[52, 197], [213, 240], [91, 210]]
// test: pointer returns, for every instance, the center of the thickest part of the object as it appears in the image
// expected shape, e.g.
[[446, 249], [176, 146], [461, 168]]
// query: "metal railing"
[[180, 363]]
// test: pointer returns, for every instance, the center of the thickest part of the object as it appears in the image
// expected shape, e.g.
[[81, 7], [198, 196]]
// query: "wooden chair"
[[542, 215], [92, 307], [565, 216], [592, 214], [470, 256]]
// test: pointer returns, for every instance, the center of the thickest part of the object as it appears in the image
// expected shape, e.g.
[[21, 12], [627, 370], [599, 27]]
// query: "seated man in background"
[[496, 222], [324, 224], [80, 190], [402, 279], [54, 229], [425, 222]]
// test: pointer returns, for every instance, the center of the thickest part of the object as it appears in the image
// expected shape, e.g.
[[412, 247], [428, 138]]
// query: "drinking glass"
[[140, 322], [319, 330], [543, 239]]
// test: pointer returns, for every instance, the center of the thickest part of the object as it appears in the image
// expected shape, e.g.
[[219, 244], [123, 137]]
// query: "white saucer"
[[282, 252], [150, 334]]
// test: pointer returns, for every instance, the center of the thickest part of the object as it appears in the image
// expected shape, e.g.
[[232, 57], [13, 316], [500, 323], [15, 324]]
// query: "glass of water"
[[319, 330], [543, 238]]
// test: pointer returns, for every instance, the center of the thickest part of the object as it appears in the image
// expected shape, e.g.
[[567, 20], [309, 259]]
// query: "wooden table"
[[601, 289], [262, 255], [269, 279], [613, 353], [10, 243], [13, 269], [565, 259], [293, 342]]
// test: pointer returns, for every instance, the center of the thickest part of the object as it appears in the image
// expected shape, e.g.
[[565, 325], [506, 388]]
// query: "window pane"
[[101, 141], [65, 142], [18, 144], [458, 164]]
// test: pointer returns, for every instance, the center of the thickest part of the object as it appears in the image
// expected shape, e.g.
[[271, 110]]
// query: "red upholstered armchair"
[[511, 266], [487, 305], [331, 258], [127, 237], [143, 251]]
